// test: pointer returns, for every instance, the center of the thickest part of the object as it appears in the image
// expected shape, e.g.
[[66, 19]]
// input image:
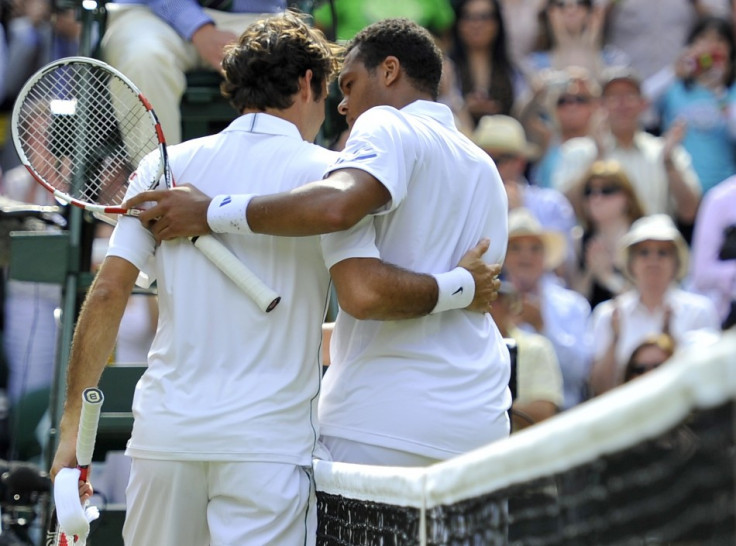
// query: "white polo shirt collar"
[[434, 110], [264, 124]]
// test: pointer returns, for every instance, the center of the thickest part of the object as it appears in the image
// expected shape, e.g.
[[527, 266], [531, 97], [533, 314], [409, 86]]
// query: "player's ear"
[[305, 85], [390, 69]]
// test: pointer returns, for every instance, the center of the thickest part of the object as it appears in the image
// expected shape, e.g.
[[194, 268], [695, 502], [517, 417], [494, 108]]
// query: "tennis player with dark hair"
[[225, 415], [411, 189]]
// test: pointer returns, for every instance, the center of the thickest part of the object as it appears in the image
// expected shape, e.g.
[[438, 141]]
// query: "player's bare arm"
[[325, 206], [334, 204], [370, 289], [94, 339]]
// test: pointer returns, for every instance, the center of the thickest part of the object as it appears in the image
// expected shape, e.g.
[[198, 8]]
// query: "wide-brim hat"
[[655, 227], [503, 134], [522, 223]]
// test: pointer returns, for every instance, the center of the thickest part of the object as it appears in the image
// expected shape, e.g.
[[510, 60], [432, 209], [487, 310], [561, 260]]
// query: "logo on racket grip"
[[93, 396]]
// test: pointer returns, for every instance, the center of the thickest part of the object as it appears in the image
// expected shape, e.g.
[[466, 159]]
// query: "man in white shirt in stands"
[[658, 167]]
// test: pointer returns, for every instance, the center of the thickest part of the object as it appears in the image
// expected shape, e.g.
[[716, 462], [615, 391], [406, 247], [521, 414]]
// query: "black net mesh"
[[674, 489]]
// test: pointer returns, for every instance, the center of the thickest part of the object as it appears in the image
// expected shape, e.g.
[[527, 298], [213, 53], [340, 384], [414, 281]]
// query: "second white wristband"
[[456, 290], [227, 213]]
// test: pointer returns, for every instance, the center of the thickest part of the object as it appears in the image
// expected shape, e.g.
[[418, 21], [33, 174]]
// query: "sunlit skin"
[[360, 88], [315, 114]]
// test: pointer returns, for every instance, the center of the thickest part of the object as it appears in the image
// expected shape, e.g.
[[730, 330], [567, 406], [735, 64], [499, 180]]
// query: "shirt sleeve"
[[130, 240], [356, 242], [185, 16], [381, 144]]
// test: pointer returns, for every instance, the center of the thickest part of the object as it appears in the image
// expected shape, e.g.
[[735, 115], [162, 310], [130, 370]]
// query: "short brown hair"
[[263, 68]]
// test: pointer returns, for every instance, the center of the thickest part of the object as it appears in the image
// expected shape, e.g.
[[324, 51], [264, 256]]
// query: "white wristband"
[[456, 290], [226, 213]]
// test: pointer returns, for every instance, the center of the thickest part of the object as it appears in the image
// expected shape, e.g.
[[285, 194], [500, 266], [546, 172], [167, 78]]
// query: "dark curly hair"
[[412, 44], [263, 68]]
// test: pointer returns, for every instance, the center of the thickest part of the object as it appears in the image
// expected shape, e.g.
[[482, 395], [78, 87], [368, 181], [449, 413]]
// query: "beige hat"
[[522, 223], [655, 227], [503, 134]]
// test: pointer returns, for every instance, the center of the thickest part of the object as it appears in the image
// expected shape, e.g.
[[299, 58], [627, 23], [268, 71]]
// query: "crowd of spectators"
[[612, 124]]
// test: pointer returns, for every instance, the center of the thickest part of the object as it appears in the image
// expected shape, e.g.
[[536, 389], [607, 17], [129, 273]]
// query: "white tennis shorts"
[[219, 504]]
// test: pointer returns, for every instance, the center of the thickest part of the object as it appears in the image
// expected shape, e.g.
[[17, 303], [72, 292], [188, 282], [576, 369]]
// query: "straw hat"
[[503, 134], [522, 223], [655, 227]]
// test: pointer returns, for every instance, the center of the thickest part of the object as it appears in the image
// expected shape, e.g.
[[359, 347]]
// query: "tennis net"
[[651, 462]]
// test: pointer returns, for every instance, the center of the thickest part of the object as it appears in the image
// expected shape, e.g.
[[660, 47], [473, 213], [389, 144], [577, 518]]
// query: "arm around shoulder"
[[334, 204]]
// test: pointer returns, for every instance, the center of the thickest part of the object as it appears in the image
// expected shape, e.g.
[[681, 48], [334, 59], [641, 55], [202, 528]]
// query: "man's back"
[[228, 372]]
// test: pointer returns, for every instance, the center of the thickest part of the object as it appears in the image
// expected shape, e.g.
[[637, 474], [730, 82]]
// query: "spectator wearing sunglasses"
[[649, 355], [659, 168], [562, 106], [654, 256], [609, 207]]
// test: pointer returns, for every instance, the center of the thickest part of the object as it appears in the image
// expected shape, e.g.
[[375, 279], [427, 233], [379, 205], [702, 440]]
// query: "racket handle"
[[89, 418], [238, 272]]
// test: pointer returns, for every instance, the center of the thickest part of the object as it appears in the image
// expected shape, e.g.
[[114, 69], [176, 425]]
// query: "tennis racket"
[[71, 518], [81, 129]]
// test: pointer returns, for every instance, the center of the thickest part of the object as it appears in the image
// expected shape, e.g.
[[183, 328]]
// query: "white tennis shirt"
[[432, 385], [226, 381]]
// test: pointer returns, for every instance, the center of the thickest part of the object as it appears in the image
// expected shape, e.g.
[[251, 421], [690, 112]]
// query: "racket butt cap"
[[273, 304]]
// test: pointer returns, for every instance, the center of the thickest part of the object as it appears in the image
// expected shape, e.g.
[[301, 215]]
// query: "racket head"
[[81, 127]]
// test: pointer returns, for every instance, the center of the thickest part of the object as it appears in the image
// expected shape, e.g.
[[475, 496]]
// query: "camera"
[[706, 61], [23, 487]]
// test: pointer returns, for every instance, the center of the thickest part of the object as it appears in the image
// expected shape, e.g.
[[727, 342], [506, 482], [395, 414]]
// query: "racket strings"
[[83, 131]]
